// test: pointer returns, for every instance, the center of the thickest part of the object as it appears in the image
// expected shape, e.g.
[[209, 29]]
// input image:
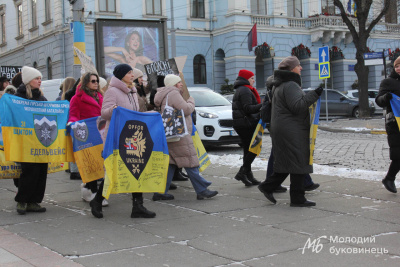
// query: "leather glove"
[[387, 97], [319, 91]]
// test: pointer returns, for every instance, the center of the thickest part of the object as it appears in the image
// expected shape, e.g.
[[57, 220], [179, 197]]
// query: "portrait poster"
[[133, 42]]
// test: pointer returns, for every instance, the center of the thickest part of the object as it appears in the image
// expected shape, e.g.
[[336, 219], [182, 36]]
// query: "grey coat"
[[290, 124]]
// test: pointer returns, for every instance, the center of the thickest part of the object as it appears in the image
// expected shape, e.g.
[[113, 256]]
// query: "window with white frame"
[[19, 19], [2, 25], [34, 13], [295, 8], [47, 10], [258, 7], [327, 6], [199, 70], [391, 15], [198, 9], [153, 7], [107, 6]]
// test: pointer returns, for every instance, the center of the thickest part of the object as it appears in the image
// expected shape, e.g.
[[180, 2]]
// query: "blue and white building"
[[212, 33]]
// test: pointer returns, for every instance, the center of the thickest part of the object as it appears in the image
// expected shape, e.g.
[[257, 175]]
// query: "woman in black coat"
[[32, 181], [390, 86], [246, 105]]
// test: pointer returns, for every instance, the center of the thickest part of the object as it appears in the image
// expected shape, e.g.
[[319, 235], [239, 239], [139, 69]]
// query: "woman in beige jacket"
[[181, 153]]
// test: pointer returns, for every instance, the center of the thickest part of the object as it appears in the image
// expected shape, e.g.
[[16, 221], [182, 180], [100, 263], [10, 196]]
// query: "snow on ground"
[[362, 129], [234, 161]]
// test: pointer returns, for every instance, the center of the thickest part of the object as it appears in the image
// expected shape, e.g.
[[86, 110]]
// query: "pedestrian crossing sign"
[[324, 70]]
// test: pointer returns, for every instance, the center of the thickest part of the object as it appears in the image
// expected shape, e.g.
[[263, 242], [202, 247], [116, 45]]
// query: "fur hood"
[[281, 76]]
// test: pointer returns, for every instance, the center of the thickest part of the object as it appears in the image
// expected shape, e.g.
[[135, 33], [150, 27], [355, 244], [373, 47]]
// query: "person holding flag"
[[290, 129], [121, 93], [389, 87], [32, 181]]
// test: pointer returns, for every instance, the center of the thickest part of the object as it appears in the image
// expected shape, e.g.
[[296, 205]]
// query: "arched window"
[[49, 69], [199, 70], [35, 65]]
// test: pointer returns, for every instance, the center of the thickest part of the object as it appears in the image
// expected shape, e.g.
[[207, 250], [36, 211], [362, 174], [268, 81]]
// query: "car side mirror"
[[342, 98]]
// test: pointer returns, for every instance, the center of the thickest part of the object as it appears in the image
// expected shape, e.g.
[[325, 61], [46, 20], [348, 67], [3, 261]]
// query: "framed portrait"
[[134, 42]]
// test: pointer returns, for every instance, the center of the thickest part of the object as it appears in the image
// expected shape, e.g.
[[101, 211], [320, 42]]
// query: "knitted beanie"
[[171, 80], [137, 73], [289, 63], [246, 74], [121, 70], [397, 61], [102, 83], [28, 74]]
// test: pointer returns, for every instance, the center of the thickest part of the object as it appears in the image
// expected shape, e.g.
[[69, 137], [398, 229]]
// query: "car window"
[[372, 94], [334, 96], [209, 99], [355, 94]]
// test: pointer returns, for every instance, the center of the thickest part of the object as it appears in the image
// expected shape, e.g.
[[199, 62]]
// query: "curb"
[[340, 130]]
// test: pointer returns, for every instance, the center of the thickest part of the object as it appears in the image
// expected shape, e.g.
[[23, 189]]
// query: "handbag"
[[174, 123]]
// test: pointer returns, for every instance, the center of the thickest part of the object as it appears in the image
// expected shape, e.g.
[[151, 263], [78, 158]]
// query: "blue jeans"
[[198, 182], [270, 169]]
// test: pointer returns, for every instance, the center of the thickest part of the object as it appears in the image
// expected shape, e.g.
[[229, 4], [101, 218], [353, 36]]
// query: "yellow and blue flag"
[[34, 131], [87, 145], [202, 154], [314, 120], [135, 153], [395, 103], [256, 141]]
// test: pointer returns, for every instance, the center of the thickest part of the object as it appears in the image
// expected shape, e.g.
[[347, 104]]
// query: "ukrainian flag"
[[135, 153], [88, 146], [202, 154], [34, 131], [395, 103], [256, 141], [314, 119]]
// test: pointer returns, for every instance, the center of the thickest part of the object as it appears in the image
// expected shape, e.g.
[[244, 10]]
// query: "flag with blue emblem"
[[135, 153], [314, 121], [202, 154], [395, 103], [256, 141], [35, 131], [87, 145]]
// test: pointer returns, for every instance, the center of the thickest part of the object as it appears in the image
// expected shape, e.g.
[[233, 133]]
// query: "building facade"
[[212, 33]]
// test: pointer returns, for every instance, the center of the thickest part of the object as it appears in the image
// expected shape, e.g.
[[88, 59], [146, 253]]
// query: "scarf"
[[255, 93]]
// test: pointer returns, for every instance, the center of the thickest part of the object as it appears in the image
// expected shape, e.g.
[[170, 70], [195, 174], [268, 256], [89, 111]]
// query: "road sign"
[[373, 55], [324, 70], [323, 54]]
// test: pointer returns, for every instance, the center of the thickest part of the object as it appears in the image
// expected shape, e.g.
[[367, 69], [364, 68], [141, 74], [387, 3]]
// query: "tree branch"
[[346, 20], [378, 18]]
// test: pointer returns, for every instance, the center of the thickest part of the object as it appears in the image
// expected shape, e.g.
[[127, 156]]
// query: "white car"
[[213, 117], [372, 93]]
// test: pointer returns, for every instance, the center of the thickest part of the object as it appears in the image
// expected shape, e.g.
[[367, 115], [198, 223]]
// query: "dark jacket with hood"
[[390, 85], [245, 108], [36, 93], [290, 123]]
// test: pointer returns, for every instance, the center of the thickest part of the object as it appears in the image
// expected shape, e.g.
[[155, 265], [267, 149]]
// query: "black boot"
[[241, 176], [388, 182], [96, 208], [139, 211], [179, 175], [251, 178]]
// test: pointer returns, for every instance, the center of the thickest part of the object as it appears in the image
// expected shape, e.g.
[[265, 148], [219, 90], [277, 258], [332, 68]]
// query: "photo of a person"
[[101, 127]]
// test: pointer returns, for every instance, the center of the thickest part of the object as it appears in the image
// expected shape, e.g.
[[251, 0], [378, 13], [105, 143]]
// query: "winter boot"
[[251, 178], [388, 182], [241, 176], [139, 211], [97, 209]]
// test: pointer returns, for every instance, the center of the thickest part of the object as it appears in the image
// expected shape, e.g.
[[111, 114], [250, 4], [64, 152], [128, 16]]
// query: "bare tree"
[[360, 37]]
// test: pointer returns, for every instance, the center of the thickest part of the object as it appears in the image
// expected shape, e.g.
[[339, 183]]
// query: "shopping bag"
[[174, 123]]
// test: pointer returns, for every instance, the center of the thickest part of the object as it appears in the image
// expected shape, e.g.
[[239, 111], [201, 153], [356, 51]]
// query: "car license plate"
[[233, 133]]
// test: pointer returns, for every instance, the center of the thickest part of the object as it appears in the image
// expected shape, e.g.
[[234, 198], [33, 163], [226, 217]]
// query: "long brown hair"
[[66, 85], [85, 80]]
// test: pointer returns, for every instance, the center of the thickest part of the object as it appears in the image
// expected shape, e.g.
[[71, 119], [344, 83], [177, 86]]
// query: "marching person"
[[290, 129], [389, 86], [85, 104], [182, 153], [32, 181], [246, 105], [120, 93]]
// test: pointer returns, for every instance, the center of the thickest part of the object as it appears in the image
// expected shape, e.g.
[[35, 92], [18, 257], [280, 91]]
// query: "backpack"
[[266, 109]]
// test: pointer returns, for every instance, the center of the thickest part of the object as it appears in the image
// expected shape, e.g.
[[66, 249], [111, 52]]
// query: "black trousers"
[[32, 182], [92, 186], [248, 157], [394, 168], [99, 195], [296, 185]]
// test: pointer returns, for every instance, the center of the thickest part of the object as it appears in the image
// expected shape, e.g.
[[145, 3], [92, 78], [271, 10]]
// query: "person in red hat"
[[246, 105]]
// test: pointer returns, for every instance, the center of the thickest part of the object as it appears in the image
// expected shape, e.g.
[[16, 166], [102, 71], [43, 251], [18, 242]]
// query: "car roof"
[[199, 89]]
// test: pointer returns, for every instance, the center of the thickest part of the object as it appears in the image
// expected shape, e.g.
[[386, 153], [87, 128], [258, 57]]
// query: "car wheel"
[[356, 112]]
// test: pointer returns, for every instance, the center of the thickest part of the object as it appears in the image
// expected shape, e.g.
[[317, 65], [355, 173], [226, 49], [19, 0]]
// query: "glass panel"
[[334, 96], [48, 10], [103, 5], [3, 28], [201, 9], [157, 7], [19, 7], [209, 99], [34, 19], [298, 11], [149, 6], [111, 6]]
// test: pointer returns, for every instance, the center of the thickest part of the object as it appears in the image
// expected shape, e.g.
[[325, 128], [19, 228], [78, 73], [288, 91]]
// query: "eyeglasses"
[[94, 81]]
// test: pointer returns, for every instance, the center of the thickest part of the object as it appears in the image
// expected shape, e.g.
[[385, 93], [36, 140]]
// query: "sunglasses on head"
[[94, 81]]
